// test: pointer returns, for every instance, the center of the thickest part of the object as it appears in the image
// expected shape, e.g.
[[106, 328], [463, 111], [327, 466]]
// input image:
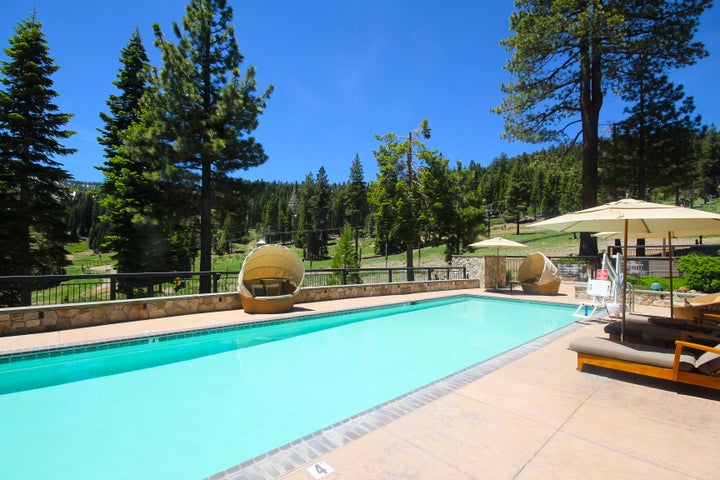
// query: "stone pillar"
[[489, 270], [495, 271]]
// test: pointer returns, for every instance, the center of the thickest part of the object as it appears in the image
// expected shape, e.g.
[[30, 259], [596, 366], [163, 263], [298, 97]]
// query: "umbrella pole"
[[624, 282], [670, 263]]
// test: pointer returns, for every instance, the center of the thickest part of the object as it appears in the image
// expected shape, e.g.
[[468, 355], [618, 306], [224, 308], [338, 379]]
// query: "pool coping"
[[289, 457]]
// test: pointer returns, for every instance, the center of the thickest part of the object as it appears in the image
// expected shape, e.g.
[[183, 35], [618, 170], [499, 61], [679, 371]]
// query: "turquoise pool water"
[[186, 408]]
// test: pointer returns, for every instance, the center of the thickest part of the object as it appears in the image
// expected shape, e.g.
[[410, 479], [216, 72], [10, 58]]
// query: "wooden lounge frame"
[[674, 374]]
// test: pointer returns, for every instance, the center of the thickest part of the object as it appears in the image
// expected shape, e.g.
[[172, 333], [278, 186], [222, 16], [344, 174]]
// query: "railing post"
[[344, 276], [389, 275], [216, 278], [113, 287]]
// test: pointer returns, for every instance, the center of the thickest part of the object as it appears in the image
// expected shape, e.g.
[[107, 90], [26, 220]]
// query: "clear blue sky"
[[343, 71]]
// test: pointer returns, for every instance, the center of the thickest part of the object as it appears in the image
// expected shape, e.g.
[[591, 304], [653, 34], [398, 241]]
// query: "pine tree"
[[396, 195], [709, 163], [321, 212], [466, 211], [210, 109], [440, 211], [124, 108], [151, 228], [344, 255], [567, 55], [517, 196], [654, 146], [32, 199], [306, 230], [123, 176], [356, 203]]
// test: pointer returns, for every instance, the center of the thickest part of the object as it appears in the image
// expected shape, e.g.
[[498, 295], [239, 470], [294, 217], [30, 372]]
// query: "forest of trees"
[[176, 137], [540, 184]]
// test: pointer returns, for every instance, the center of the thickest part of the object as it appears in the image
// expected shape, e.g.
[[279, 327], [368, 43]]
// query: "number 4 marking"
[[320, 469]]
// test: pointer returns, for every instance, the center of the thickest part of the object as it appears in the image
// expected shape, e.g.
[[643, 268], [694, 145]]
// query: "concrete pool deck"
[[534, 417]]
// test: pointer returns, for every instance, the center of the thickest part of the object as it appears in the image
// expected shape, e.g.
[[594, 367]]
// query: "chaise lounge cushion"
[[709, 362], [273, 287], [637, 353]]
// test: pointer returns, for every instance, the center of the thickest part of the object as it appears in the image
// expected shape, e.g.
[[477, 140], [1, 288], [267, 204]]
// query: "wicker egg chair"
[[538, 275], [270, 279]]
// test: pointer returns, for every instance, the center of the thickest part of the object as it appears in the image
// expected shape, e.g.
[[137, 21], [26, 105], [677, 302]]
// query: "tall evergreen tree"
[[356, 203], [211, 110], [156, 233], [306, 230], [654, 146], [517, 196], [468, 211], [567, 54], [124, 189], [32, 198], [321, 208], [147, 195], [124, 109], [397, 195], [344, 256], [709, 162], [439, 212]]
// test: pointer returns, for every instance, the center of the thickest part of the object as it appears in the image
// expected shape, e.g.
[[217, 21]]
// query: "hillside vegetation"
[[554, 244]]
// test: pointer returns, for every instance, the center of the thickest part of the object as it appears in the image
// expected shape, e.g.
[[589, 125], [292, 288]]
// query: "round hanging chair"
[[538, 275], [270, 279]]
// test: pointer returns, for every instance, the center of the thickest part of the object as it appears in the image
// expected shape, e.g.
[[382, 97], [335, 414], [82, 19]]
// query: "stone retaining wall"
[[22, 320], [641, 297], [319, 294]]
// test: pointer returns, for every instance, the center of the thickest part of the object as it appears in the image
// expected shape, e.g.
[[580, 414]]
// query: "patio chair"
[[270, 279], [538, 275], [689, 363], [694, 307], [599, 291], [663, 335]]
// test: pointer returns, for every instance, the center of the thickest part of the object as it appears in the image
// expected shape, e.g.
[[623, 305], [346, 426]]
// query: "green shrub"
[[701, 273], [643, 283]]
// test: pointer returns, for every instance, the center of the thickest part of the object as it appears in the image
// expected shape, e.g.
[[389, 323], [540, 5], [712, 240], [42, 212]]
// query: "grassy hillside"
[[550, 243]]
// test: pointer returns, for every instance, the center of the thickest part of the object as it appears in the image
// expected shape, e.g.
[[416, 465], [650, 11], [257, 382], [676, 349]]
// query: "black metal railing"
[[572, 269], [39, 290], [579, 269], [353, 276]]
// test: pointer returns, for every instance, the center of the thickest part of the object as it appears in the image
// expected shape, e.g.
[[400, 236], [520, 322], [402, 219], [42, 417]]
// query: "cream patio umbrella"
[[637, 218], [497, 243]]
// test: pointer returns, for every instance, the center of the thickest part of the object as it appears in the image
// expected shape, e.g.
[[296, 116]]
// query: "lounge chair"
[[599, 291], [538, 276], [662, 335], [689, 363], [270, 279]]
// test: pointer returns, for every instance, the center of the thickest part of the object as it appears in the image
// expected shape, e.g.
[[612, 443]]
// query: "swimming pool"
[[190, 406]]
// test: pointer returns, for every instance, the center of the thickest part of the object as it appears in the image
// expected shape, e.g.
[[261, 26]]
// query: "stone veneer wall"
[[319, 294], [640, 297], [22, 320]]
